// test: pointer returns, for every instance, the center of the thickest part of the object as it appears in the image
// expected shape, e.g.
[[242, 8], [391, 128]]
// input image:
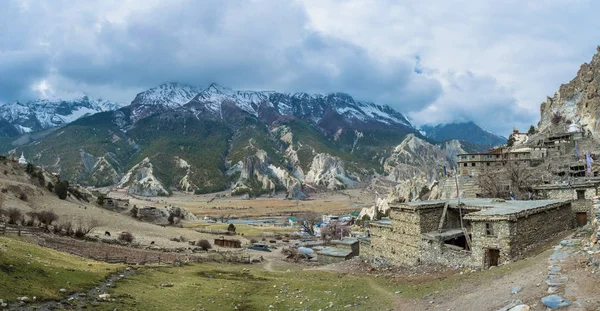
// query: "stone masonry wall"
[[537, 228], [577, 206], [481, 241], [396, 247], [438, 253]]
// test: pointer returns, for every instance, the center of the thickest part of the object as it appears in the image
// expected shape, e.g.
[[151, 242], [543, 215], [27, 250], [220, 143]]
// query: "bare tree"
[[511, 177], [308, 220]]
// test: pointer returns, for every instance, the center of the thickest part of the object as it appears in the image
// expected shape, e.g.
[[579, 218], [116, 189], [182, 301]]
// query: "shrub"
[[29, 169], [68, 227], [23, 196], [253, 241], [204, 244], [47, 218], [57, 229], [61, 189], [50, 186], [83, 229], [134, 211], [125, 237], [231, 228], [14, 215]]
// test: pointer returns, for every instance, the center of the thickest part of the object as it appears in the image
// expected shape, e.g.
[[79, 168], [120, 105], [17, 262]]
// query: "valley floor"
[[279, 285]]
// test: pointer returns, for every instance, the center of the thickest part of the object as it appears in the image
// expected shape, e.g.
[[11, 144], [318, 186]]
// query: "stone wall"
[[481, 241], [439, 253], [538, 228], [397, 247], [577, 205]]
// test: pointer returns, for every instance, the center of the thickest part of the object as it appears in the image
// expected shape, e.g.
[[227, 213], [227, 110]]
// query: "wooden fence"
[[18, 230]]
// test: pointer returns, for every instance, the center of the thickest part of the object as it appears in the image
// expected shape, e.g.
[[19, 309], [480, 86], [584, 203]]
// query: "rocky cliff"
[[575, 102]]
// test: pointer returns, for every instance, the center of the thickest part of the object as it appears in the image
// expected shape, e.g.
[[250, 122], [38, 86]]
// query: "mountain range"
[[18, 118], [467, 131], [182, 137]]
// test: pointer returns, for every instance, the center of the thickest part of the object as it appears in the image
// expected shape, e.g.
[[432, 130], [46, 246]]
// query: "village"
[[493, 209]]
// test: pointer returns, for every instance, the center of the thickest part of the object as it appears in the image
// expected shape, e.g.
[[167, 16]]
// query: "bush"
[[253, 241], [68, 227], [29, 169], [134, 211], [23, 196], [14, 215], [204, 244], [126, 237], [50, 186], [61, 189], [83, 229], [231, 228], [47, 218]]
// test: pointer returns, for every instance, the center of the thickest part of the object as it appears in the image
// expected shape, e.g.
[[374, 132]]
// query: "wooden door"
[[492, 257], [581, 219]]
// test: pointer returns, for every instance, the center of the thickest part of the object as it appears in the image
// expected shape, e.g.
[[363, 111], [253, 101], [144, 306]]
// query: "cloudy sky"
[[492, 62]]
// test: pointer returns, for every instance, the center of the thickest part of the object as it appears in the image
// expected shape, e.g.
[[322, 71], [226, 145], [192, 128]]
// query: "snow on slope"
[[312, 106], [46, 113]]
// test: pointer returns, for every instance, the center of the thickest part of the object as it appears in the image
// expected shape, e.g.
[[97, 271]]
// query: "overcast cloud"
[[492, 62]]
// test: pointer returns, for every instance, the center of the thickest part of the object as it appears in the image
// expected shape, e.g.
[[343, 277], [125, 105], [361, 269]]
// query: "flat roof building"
[[477, 233]]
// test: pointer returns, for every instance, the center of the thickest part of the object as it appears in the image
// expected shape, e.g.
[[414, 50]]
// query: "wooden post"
[[443, 216]]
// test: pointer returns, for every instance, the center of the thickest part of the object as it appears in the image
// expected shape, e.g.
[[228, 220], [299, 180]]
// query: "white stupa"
[[574, 128], [22, 159]]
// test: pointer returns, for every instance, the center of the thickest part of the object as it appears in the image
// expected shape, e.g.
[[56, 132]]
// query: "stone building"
[[580, 192], [475, 163], [476, 233], [114, 203]]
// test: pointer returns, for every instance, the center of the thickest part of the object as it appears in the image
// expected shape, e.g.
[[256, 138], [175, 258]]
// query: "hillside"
[[19, 118], [178, 137]]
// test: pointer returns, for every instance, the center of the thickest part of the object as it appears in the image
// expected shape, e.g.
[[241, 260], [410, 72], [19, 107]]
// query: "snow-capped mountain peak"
[[41, 114], [170, 95]]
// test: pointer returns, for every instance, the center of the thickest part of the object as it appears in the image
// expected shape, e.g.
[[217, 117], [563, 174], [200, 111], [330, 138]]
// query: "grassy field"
[[30, 270], [247, 287], [247, 230]]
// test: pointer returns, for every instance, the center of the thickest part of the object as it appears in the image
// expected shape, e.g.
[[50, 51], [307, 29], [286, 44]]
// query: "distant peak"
[[216, 88]]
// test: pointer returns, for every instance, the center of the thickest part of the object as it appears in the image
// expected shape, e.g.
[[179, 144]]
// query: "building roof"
[[345, 241], [334, 252], [586, 184], [490, 208]]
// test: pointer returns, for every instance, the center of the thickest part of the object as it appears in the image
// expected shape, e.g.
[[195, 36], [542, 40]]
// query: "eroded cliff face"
[[415, 158], [577, 101], [329, 171], [140, 180], [257, 175], [416, 166]]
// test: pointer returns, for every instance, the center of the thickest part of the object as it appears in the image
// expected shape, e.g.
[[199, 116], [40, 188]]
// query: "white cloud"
[[437, 61]]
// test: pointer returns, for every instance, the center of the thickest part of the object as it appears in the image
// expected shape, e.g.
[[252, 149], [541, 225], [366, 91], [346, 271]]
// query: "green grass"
[[229, 287], [30, 270]]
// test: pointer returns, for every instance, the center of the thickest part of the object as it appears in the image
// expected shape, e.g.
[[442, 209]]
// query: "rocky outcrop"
[[577, 101], [453, 148], [415, 158], [415, 165], [381, 207], [140, 180], [329, 171], [258, 175]]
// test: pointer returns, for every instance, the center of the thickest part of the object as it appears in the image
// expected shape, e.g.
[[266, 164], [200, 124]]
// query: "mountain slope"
[[466, 131], [250, 142], [42, 114]]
